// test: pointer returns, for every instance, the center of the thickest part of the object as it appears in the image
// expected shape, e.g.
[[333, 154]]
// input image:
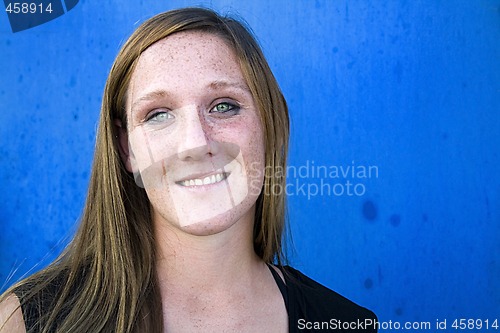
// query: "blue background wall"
[[411, 87]]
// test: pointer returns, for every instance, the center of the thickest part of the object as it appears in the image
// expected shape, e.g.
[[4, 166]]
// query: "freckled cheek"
[[248, 139], [254, 165], [251, 143], [255, 140], [148, 149]]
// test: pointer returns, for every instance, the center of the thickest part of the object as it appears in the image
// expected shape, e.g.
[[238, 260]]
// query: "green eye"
[[160, 117], [225, 108]]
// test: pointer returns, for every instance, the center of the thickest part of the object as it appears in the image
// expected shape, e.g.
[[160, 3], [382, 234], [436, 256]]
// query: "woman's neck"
[[209, 263]]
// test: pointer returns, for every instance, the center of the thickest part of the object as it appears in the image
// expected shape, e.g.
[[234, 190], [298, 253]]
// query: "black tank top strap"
[[281, 284]]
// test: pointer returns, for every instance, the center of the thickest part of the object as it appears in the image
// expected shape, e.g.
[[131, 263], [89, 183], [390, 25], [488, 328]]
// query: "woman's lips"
[[201, 180]]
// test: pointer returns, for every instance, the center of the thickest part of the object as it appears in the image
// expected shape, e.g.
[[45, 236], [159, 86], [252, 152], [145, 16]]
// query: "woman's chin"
[[203, 226], [207, 227]]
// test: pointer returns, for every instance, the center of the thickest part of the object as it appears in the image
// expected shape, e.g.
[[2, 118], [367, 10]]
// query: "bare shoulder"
[[11, 316]]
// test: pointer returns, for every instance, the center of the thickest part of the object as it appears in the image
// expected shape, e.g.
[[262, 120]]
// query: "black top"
[[311, 306]]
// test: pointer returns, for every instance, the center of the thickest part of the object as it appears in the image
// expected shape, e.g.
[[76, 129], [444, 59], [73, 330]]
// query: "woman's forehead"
[[192, 50], [186, 58]]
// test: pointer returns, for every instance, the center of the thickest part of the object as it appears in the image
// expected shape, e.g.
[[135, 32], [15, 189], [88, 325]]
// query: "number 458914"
[[28, 8], [475, 324]]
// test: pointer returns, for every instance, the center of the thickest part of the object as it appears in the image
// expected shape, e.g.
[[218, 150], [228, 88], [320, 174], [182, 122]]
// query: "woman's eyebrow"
[[228, 84], [156, 94]]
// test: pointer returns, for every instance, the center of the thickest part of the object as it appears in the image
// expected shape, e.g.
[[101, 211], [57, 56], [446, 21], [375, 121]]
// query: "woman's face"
[[194, 138]]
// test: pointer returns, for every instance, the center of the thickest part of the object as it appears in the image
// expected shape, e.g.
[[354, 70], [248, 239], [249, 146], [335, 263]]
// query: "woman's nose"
[[194, 140]]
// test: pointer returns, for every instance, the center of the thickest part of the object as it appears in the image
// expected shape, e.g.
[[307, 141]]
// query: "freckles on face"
[[195, 137]]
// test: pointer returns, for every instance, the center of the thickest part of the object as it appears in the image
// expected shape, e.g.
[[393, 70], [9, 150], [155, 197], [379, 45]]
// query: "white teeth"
[[205, 181]]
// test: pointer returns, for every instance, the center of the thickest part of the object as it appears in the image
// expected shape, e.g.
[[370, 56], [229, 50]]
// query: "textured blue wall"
[[411, 88]]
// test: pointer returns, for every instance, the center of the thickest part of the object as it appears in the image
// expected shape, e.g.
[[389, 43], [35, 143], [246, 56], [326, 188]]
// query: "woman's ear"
[[123, 145]]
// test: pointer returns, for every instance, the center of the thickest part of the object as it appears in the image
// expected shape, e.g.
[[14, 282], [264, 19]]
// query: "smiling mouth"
[[209, 180]]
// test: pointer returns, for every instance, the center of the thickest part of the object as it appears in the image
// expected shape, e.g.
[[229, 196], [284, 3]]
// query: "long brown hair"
[[108, 270]]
